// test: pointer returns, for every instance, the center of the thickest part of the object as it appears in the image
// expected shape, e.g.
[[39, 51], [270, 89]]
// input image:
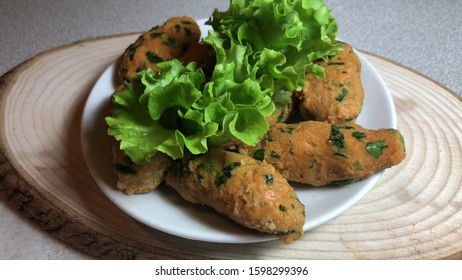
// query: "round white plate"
[[166, 211]]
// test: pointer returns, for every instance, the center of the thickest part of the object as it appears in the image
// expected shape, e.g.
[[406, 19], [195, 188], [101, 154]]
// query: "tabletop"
[[421, 35]]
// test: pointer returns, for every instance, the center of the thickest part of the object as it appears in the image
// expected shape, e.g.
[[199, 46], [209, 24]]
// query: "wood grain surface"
[[414, 212]]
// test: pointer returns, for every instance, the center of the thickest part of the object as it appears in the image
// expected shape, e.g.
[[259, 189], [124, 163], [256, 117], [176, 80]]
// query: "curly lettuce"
[[285, 37], [263, 51], [155, 113]]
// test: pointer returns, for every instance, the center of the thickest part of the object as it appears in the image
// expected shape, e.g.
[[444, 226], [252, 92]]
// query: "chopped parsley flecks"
[[340, 154], [338, 140], [287, 129], [131, 50], [342, 95], [359, 135], [187, 31], [152, 57], [357, 166], [274, 154], [336, 136], [375, 149], [170, 42], [336, 63], [154, 28], [220, 180], [269, 179], [227, 170], [156, 34], [210, 168], [230, 167], [259, 154]]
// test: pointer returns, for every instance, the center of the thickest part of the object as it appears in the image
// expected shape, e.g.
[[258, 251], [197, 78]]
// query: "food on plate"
[[209, 116], [319, 153], [248, 191], [159, 44], [263, 51], [136, 178], [338, 97]]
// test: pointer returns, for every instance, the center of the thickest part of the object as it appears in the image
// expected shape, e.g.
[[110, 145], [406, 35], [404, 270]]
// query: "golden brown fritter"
[[159, 44], [135, 178], [339, 97], [248, 191], [319, 153]]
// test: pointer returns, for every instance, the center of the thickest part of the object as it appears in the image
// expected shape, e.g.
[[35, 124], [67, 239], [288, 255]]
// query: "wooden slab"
[[414, 212]]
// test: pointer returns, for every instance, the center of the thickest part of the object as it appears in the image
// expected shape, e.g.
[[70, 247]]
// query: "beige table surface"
[[422, 35]]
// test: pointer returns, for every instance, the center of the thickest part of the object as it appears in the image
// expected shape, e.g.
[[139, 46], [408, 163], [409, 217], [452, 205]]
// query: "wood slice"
[[412, 213]]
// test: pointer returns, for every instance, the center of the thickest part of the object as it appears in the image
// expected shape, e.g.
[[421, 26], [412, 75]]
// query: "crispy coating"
[[319, 153], [250, 192], [134, 178], [339, 97], [159, 44]]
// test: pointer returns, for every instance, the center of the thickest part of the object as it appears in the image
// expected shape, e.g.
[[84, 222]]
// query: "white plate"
[[166, 211]]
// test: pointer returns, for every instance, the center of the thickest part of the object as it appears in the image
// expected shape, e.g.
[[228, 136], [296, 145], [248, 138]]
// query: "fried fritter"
[[135, 178], [159, 44], [248, 191], [319, 153], [339, 97]]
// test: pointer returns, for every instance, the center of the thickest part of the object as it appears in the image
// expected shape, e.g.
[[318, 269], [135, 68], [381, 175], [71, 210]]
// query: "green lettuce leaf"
[[147, 118], [286, 37], [263, 51]]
